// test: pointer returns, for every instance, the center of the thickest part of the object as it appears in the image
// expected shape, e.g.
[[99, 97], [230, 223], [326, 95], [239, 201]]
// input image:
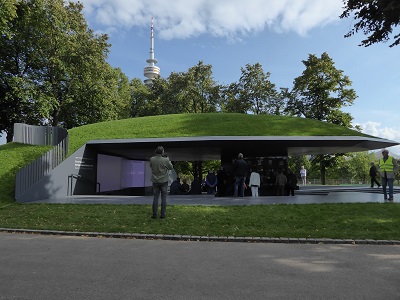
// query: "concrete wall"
[[76, 175], [87, 173]]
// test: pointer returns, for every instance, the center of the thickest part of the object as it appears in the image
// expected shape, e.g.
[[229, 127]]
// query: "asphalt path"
[[34, 266]]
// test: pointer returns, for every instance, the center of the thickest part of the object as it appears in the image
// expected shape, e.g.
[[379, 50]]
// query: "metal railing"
[[80, 178], [336, 181], [37, 169], [39, 135]]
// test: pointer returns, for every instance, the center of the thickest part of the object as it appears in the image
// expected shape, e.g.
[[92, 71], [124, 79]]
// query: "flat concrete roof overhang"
[[206, 148]]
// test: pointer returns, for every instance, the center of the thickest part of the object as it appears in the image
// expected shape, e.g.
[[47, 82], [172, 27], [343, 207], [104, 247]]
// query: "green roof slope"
[[208, 124]]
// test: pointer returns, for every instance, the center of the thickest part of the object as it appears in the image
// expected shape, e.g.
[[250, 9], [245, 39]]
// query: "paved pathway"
[[61, 267], [309, 194], [44, 267]]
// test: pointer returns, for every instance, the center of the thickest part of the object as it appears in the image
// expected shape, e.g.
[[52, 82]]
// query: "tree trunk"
[[9, 138], [198, 169], [10, 134], [322, 170]]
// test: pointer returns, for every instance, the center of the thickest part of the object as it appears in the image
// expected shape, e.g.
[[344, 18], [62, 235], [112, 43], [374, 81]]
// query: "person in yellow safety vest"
[[388, 167]]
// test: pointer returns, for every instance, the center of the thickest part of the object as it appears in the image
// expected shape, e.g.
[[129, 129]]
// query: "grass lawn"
[[13, 157], [345, 221], [209, 124], [352, 221]]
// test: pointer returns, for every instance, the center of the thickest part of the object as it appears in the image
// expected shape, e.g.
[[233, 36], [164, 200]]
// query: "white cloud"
[[376, 129], [222, 18]]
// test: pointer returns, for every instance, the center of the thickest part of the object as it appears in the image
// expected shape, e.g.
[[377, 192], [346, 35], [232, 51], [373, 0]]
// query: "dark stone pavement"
[[65, 265], [306, 195], [47, 267]]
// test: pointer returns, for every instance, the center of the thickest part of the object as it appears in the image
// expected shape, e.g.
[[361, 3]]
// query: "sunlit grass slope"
[[14, 156], [210, 124]]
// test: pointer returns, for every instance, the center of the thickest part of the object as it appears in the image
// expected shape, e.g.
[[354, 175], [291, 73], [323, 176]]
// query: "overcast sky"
[[278, 34]]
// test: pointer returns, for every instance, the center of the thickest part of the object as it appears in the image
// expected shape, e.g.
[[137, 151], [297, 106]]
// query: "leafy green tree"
[[196, 91], [375, 18], [203, 91], [340, 169], [172, 100], [352, 166], [319, 93], [120, 95], [360, 164], [55, 69], [397, 175], [255, 92], [295, 163], [8, 11], [107, 98], [140, 95], [323, 163], [161, 101], [20, 99], [199, 169], [72, 71], [230, 99], [193, 91]]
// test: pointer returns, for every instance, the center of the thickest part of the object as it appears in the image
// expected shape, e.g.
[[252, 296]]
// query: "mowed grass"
[[13, 157], [337, 221], [210, 124], [353, 221]]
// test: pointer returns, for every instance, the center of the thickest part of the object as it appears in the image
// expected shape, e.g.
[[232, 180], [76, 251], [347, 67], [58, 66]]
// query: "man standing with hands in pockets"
[[160, 165]]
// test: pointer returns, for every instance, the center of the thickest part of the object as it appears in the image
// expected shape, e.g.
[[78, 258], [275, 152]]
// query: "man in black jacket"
[[373, 172], [240, 173]]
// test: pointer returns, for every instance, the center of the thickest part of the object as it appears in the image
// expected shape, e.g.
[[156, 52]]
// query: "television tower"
[[151, 71]]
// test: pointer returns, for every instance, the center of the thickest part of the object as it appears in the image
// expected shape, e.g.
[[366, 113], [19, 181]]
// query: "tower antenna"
[[151, 71]]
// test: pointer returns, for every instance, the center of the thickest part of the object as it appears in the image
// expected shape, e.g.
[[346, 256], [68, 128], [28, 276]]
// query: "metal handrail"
[[80, 177]]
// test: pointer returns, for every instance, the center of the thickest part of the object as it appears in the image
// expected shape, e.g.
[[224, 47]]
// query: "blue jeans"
[[389, 182], [239, 181], [157, 189]]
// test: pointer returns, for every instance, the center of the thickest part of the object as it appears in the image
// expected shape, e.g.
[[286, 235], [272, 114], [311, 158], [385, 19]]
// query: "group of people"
[[230, 183], [178, 188], [221, 183], [243, 181]]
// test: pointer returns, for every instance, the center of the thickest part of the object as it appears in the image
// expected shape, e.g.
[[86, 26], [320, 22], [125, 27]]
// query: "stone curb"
[[176, 237]]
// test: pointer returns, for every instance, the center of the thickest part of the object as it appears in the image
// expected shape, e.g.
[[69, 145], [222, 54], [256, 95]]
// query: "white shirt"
[[254, 179]]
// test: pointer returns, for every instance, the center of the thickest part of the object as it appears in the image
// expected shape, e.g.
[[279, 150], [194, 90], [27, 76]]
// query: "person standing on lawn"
[[160, 165], [388, 167]]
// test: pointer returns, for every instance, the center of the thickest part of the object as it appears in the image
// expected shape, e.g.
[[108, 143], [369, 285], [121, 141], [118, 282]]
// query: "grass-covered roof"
[[208, 124]]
